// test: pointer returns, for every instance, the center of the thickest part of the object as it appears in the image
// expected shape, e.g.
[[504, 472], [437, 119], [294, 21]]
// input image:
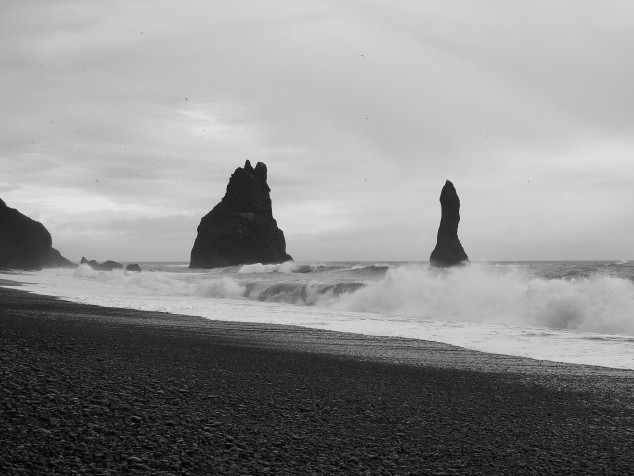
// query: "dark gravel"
[[87, 390]]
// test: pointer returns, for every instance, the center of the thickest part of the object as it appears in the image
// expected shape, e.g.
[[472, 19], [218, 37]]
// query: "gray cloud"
[[136, 111]]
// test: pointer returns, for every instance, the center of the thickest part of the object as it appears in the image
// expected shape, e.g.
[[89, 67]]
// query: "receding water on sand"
[[568, 312]]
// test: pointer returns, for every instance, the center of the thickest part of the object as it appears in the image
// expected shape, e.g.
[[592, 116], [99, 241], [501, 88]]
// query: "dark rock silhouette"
[[241, 228], [105, 266], [133, 267], [26, 243], [448, 250]]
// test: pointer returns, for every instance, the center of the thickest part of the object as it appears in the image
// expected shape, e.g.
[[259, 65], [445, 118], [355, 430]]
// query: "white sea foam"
[[501, 309], [599, 303], [481, 294], [287, 267]]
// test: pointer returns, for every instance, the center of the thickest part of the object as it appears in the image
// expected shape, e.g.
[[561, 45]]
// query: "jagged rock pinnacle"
[[241, 228]]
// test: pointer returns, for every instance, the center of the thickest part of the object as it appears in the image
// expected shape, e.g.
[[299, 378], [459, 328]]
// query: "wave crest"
[[482, 294], [308, 294], [286, 267], [598, 303]]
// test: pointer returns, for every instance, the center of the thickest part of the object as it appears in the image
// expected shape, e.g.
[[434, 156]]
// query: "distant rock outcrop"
[[241, 228], [448, 250], [133, 267], [26, 243], [105, 266]]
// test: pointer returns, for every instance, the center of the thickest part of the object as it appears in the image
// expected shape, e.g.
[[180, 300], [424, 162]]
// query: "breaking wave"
[[596, 303], [509, 295], [287, 267], [370, 270], [311, 294]]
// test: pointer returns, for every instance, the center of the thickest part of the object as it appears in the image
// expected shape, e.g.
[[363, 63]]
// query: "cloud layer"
[[121, 122]]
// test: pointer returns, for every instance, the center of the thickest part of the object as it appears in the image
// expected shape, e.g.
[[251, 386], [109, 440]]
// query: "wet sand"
[[97, 390]]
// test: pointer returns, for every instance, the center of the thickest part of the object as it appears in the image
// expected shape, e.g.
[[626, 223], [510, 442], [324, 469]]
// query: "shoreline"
[[113, 390], [468, 356]]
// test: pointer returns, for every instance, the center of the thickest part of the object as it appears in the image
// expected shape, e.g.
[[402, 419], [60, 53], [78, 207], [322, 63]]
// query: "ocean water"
[[578, 312]]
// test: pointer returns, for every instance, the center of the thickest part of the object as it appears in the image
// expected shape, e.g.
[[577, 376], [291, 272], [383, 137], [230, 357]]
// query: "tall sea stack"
[[26, 243], [241, 228], [448, 250]]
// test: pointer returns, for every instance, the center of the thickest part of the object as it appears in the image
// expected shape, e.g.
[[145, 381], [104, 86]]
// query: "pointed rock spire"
[[448, 250]]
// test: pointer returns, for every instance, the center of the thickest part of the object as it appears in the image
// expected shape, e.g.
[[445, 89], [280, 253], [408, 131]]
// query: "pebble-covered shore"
[[88, 390]]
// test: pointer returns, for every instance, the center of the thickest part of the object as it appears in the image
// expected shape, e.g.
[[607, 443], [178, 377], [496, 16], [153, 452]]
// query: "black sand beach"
[[89, 390]]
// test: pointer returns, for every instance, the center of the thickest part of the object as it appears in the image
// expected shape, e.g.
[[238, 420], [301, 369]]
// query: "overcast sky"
[[121, 122]]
